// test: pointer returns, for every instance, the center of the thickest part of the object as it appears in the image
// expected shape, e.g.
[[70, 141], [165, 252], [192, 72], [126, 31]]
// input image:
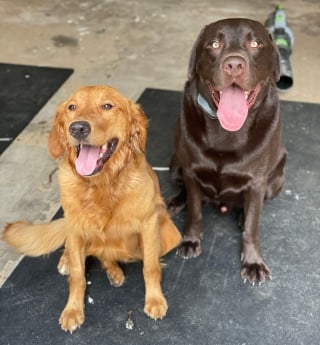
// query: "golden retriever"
[[111, 199]]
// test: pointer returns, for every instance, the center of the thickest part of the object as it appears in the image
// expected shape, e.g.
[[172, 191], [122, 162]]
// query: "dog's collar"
[[204, 105]]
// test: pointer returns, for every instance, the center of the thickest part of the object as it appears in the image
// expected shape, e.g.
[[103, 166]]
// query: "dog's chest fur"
[[226, 163], [98, 213]]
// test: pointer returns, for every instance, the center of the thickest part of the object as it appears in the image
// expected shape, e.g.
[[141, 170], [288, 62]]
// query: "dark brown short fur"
[[239, 168]]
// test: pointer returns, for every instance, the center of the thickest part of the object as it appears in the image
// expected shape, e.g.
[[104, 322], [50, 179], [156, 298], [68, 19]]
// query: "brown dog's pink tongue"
[[233, 109], [87, 160]]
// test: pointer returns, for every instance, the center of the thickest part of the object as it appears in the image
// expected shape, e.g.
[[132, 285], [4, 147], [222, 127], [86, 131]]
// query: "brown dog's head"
[[94, 125], [233, 60]]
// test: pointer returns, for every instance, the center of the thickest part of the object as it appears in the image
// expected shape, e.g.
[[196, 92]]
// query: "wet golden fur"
[[116, 215]]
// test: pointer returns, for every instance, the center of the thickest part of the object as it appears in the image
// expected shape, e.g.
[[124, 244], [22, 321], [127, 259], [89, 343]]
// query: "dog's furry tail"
[[35, 239]]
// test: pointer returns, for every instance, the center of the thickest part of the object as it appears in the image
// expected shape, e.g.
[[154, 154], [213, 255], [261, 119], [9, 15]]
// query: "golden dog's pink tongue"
[[233, 109], [87, 159]]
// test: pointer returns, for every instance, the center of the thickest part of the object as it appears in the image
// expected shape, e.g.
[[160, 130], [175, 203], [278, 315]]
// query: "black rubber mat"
[[24, 91], [208, 302]]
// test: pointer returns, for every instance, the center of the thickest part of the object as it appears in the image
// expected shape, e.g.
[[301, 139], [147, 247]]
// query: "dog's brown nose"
[[80, 129], [234, 66]]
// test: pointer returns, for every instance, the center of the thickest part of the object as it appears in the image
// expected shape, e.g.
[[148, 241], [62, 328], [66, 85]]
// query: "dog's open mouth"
[[233, 104], [91, 159]]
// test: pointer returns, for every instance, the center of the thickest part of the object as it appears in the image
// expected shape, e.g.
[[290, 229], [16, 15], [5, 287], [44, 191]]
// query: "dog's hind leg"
[[178, 202], [191, 242], [63, 265], [170, 236], [276, 177], [108, 258], [114, 273]]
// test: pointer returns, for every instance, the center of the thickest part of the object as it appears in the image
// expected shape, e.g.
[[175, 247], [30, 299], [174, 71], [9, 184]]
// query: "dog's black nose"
[[80, 129], [234, 65]]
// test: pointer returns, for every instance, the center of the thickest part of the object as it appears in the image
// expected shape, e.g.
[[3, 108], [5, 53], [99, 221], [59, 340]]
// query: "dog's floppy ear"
[[56, 140], [275, 61], [193, 56], [138, 127]]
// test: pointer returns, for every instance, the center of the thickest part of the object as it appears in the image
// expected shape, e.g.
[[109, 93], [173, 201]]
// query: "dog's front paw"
[[255, 273], [156, 307], [189, 248], [71, 319]]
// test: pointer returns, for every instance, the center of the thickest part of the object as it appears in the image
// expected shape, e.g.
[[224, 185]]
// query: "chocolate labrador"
[[228, 147]]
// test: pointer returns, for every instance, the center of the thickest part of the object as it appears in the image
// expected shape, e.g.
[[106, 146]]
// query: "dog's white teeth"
[[101, 155], [246, 94], [103, 149]]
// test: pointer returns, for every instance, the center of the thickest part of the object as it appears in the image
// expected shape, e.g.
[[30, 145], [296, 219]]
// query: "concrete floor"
[[130, 45]]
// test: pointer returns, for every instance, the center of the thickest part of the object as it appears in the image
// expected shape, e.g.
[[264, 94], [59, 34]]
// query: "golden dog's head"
[[94, 125]]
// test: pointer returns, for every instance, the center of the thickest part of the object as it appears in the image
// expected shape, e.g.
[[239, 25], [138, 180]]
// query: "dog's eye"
[[72, 107], [215, 44], [107, 106], [254, 44]]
